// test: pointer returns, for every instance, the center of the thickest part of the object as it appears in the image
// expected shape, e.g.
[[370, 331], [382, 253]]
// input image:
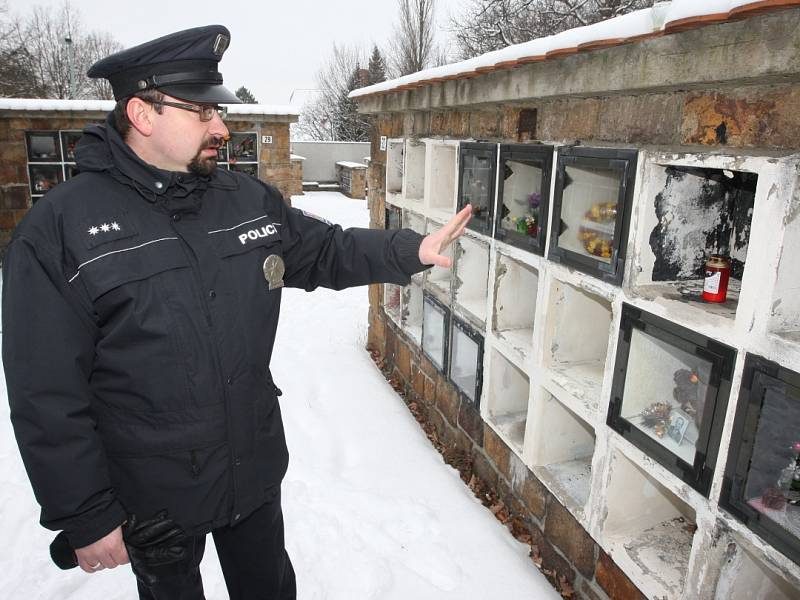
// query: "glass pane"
[[69, 139], [43, 146], [464, 363], [665, 393], [433, 322], [773, 481], [44, 177], [476, 183], [249, 169], [522, 195], [393, 219], [589, 211], [242, 146]]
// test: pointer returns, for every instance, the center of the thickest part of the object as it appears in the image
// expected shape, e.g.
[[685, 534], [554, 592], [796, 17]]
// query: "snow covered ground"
[[372, 511]]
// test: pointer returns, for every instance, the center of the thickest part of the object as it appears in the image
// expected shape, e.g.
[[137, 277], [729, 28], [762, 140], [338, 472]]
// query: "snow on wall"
[[664, 17]]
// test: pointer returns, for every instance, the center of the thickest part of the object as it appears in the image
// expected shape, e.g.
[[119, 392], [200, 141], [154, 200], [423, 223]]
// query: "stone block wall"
[[352, 179]]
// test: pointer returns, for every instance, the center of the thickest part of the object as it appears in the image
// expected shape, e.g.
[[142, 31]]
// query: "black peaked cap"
[[182, 64]]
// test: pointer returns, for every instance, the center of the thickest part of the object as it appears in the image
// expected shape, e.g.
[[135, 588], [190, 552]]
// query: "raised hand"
[[431, 248]]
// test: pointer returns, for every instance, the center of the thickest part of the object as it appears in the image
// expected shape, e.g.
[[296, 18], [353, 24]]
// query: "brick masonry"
[[762, 116], [15, 199]]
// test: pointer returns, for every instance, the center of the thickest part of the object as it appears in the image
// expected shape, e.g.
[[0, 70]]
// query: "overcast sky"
[[276, 47]]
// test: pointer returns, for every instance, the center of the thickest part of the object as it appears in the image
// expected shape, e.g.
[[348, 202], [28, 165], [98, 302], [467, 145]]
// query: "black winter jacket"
[[137, 333]]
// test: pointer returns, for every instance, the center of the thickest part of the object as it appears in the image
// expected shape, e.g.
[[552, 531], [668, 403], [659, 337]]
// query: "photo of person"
[[678, 424]]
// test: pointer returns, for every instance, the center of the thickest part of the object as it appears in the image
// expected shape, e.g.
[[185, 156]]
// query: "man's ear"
[[140, 116]]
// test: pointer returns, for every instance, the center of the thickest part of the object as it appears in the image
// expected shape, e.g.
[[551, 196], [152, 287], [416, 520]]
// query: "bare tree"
[[55, 53], [412, 47], [17, 79], [95, 46], [332, 115], [486, 25]]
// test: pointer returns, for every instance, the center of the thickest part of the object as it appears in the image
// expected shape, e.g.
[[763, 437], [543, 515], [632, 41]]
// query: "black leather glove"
[[157, 547]]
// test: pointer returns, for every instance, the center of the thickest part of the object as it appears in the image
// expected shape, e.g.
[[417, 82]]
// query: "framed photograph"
[[678, 424]]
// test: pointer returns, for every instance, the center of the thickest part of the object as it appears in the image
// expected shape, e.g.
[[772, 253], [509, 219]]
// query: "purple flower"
[[534, 199], [796, 446]]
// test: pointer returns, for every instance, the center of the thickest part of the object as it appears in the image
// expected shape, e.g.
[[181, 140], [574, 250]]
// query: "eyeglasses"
[[206, 111]]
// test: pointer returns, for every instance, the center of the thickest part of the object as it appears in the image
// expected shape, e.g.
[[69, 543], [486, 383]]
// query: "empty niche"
[[472, 277], [648, 530], [696, 212], [516, 286], [394, 167], [562, 453], [746, 577], [441, 178], [508, 392], [414, 174], [578, 336], [412, 312], [438, 279]]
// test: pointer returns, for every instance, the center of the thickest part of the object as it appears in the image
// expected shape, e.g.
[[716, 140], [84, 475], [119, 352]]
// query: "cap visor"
[[206, 94]]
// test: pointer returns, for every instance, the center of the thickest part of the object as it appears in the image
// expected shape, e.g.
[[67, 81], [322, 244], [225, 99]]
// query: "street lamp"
[[70, 81]]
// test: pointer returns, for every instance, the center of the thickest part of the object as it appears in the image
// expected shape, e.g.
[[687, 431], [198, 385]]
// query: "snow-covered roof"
[[50, 104], [296, 157], [351, 165], [662, 19]]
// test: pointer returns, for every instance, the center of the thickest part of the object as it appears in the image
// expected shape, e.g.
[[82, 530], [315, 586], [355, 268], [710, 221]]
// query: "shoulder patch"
[[316, 217], [107, 228]]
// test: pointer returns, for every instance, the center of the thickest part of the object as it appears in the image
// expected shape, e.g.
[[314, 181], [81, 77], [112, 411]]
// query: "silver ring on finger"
[[95, 567]]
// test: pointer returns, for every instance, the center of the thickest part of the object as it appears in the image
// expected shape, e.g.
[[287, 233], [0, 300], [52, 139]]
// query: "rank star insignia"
[[115, 226], [105, 227], [93, 230]]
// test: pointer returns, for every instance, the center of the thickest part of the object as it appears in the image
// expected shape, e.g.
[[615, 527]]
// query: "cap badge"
[[221, 44]]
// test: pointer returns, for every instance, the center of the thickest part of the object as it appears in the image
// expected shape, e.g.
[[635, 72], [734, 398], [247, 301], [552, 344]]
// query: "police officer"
[[140, 304]]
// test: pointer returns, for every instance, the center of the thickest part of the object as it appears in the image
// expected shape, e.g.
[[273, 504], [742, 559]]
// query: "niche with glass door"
[[435, 331], [466, 360], [669, 394], [761, 487], [476, 183], [591, 210], [524, 195]]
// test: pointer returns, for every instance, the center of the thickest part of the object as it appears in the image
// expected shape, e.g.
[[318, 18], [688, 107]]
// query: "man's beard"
[[205, 165]]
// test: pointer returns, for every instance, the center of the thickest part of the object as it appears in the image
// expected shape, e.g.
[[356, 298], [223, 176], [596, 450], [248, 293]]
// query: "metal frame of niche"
[[428, 299], [537, 153], [759, 373], [66, 168], [481, 224], [623, 160], [474, 335], [721, 358], [393, 217]]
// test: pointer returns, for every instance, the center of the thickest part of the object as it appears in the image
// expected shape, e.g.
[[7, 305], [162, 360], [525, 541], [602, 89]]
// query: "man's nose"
[[217, 127]]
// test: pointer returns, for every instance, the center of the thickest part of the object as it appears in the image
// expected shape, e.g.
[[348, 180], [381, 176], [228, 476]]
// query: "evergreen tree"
[[245, 96], [349, 125], [377, 68]]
